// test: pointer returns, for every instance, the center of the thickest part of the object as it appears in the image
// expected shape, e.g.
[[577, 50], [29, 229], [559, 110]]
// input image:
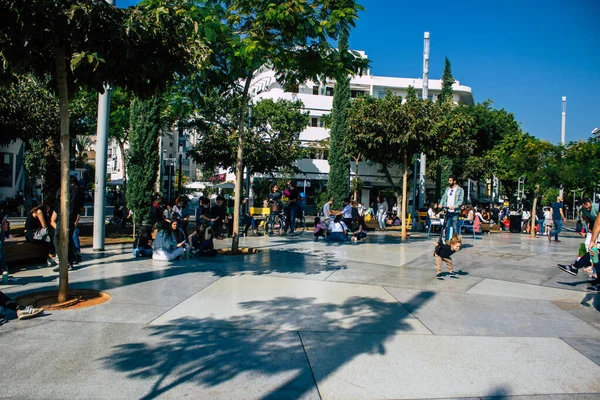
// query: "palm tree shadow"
[[209, 352]]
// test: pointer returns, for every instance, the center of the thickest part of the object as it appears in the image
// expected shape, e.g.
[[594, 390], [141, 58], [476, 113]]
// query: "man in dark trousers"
[[558, 217], [76, 201]]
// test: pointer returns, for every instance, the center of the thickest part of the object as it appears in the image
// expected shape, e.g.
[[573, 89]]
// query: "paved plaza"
[[309, 320]]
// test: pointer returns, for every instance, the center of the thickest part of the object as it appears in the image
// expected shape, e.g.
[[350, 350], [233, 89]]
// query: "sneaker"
[[452, 274], [57, 268], [569, 269], [29, 312], [594, 289], [440, 275]]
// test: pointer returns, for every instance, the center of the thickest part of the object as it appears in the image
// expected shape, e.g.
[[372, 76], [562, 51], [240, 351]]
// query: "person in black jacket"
[[443, 252]]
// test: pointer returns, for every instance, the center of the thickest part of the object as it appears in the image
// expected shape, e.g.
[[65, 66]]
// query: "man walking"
[[589, 211], [452, 200], [558, 217]]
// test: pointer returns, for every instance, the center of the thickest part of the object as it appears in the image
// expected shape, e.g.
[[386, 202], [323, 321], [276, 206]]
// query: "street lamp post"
[[180, 170]]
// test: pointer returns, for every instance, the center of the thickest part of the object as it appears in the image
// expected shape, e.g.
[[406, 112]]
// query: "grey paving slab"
[[495, 287], [588, 347], [123, 361], [111, 311], [413, 275], [413, 367], [479, 315], [252, 302]]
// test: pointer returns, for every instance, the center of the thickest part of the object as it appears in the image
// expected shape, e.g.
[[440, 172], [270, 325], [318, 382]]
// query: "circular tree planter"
[[77, 298], [241, 251]]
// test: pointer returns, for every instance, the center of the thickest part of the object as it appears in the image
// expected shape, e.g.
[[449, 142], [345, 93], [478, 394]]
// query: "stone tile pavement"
[[314, 320]]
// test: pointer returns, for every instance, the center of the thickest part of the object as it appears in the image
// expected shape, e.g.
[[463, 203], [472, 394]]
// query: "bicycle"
[[276, 224]]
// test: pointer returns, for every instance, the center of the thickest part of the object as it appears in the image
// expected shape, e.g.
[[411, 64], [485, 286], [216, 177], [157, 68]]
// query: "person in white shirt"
[[452, 199], [382, 210], [338, 229]]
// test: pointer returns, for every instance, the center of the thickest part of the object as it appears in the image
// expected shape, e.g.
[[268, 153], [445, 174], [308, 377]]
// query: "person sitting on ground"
[[361, 232], [141, 244], [182, 211], [179, 234], [23, 312], [443, 253], [165, 246], [338, 229], [39, 231], [320, 230], [201, 241]]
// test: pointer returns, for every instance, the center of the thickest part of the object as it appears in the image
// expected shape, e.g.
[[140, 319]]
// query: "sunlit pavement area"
[[309, 320]]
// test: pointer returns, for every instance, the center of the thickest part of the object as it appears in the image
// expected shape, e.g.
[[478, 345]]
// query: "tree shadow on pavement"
[[210, 352]]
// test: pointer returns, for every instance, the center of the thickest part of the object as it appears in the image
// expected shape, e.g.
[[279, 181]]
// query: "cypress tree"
[[339, 173], [447, 82], [444, 165], [143, 157]]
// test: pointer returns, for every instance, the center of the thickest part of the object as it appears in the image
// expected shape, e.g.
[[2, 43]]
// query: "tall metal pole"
[[180, 177], [563, 125], [563, 131], [425, 96], [100, 179]]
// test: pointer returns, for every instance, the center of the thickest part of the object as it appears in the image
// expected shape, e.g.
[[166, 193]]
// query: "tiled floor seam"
[[409, 312], [190, 296], [312, 373], [576, 349]]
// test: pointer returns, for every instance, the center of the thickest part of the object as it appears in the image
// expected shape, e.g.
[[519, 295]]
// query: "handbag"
[[42, 235]]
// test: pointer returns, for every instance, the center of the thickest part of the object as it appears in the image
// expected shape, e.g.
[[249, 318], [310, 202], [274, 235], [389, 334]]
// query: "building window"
[[321, 123], [381, 94], [357, 93], [293, 89], [328, 91], [314, 121], [6, 169], [316, 90]]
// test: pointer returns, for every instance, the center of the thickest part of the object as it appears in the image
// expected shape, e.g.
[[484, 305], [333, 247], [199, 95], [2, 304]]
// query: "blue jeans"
[[76, 240], [142, 252], [555, 232], [337, 237], [541, 226], [451, 222]]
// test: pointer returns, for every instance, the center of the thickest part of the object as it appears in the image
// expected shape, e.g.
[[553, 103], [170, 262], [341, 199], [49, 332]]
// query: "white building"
[[12, 170], [318, 98]]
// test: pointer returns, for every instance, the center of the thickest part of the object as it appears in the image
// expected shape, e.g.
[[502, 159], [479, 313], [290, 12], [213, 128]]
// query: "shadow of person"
[[265, 341]]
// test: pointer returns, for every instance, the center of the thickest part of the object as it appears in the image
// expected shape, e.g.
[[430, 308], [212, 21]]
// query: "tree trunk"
[[239, 168], [404, 202], [63, 101], [534, 212]]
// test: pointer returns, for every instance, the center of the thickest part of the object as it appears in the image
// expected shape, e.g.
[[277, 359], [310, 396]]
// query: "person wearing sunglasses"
[[452, 200]]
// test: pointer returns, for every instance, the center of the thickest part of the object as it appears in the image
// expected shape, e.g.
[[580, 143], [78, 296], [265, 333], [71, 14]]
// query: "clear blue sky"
[[524, 55]]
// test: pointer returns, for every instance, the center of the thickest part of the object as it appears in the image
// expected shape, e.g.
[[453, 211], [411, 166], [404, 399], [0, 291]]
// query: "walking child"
[[443, 253], [547, 221]]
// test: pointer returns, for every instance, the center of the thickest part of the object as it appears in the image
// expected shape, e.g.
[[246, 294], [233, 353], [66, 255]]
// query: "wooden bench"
[[18, 250]]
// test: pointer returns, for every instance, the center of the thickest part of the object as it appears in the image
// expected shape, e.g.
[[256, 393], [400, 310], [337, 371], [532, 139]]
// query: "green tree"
[[447, 81], [338, 159], [293, 38], [91, 44], [143, 157]]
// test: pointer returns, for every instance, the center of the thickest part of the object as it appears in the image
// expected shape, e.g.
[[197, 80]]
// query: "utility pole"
[[180, 177], [425, 96], [563, 131], [100, 178]]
